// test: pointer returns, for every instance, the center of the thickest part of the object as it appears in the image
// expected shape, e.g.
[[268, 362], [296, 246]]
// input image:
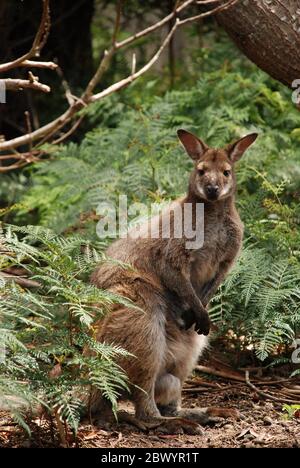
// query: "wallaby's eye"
[[201, 172], [226, 173]]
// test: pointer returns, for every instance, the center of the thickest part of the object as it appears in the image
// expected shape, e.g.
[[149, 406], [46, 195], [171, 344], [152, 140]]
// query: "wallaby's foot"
[[203, 416], [199, 318]]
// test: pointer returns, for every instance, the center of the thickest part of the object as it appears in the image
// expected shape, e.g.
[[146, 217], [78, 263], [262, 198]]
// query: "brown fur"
[[169, 282]]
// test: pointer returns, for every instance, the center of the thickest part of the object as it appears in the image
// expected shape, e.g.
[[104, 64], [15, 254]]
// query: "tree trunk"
[[268, 33]]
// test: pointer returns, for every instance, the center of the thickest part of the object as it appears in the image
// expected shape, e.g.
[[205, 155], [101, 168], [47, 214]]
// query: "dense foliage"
[[133, 150], [44, 333]]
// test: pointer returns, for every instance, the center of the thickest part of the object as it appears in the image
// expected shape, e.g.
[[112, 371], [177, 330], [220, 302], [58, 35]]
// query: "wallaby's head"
[[213, 176]]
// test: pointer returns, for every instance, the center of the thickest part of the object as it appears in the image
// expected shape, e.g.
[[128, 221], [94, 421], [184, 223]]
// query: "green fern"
[[51, 325]]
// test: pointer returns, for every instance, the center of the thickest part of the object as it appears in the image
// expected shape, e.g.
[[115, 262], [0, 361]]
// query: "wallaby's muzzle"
[[212, 192]]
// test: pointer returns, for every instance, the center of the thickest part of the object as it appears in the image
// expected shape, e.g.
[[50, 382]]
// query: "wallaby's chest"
[[222, 242]]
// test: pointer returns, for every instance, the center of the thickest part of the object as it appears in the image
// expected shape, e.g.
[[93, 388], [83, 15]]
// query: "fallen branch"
[[24, 282], [218, 373], [267, 395], [212, 390], [202, 382], [199, 389], [236, 377]]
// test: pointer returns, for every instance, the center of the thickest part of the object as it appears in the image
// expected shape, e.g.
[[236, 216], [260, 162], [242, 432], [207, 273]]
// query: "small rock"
[[268, 421], [229, 427]]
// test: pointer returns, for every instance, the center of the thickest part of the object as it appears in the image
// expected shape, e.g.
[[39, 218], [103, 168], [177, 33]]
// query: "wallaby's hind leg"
[[145, 406], [168, 394], [143, 335], [168, 397], [146, 342]]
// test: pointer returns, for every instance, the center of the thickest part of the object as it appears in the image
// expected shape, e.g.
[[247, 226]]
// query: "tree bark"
[[268, 33]]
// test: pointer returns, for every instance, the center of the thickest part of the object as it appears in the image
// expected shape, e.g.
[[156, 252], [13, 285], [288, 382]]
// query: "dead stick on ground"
[[264, 394], [225, 375], [197, 389], [230, 376], [24, 282]]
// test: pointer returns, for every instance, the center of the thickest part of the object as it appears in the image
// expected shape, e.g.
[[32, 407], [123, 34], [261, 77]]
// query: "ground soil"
[[262, 424]]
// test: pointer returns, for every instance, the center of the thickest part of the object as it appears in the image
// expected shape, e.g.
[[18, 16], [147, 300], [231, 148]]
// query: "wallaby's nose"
[[212, 191]]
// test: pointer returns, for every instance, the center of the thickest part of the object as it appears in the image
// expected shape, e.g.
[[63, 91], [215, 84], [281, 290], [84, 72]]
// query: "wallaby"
[[173, 284]]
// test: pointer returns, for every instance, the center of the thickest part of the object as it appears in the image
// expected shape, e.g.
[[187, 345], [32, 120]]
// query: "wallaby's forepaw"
[[200, 319], [202, 325]]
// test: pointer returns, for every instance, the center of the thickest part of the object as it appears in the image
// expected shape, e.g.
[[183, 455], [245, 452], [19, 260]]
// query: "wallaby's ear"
[[192, 144], [237, 149]]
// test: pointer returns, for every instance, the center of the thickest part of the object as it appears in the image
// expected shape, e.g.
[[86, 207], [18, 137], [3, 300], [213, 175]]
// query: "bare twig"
[[154, 27], [28, 156], [133, 64], [29, 127], [11, 167], [103, 66], [56, 124], [38, 43], [35, 64], [68, 93], [210, 12], [117, 21], [267, 395], [69, 132], [108, 54], [126, 81], [11, 84]]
